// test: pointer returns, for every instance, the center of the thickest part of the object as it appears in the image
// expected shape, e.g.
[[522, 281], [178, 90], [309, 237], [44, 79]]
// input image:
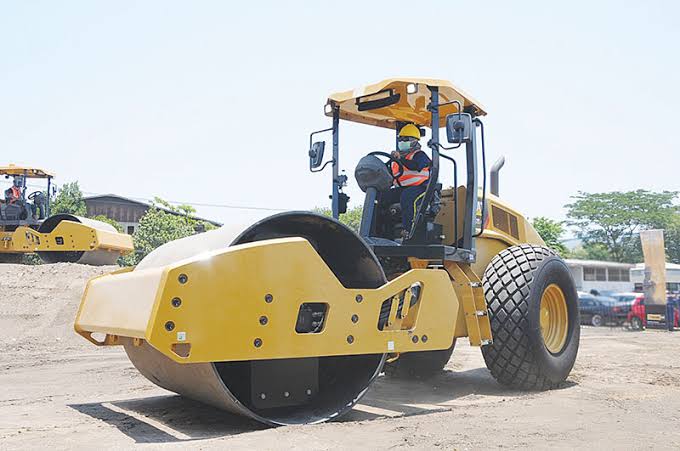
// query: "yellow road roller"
[[26, 226], [290, 320]]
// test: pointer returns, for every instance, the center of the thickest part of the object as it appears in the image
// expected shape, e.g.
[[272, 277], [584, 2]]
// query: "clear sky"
[[211, 102]]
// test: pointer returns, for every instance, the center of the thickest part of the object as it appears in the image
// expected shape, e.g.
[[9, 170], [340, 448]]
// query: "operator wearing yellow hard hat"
[[409, 186]]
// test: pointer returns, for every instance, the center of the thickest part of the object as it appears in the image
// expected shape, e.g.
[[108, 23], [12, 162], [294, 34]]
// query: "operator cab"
[[18, 206], [434, 234], [383, 219]]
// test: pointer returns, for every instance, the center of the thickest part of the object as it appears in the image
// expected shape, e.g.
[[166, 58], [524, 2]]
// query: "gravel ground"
[[58, 391]]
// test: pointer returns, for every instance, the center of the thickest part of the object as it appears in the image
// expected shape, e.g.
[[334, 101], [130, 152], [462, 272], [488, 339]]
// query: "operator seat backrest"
[[446, 214], [12, 212]]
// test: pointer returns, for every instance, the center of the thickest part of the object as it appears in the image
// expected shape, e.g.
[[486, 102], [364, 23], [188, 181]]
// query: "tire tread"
[[507, 284]]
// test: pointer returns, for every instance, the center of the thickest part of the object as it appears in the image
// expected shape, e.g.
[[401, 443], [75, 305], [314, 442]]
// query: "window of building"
[[591, 274], [619, 275], [130, 230]]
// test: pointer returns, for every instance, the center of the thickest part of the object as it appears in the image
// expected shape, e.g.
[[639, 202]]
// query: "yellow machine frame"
[[66, 236]]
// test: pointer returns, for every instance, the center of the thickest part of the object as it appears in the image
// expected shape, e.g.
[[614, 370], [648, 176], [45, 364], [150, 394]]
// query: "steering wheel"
[[34, 194], [391, 159]]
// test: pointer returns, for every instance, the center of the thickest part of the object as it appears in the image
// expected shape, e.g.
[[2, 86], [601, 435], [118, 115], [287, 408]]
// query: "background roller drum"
[[96, 258], [533, 306]]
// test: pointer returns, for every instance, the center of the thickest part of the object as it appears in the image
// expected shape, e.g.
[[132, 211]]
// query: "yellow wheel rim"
[[554, 318]]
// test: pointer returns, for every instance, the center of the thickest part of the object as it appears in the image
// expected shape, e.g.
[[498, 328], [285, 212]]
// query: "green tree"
[[69, 200], [613, 219], [159, 226], [156, 228], [351, 219], [592, 251], [672, 239], [551, 231]]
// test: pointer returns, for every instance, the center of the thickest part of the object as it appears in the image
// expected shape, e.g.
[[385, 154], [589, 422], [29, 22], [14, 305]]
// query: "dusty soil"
[[58, 391]]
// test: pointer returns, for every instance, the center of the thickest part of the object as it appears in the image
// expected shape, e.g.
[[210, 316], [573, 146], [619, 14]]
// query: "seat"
[[12, 212]]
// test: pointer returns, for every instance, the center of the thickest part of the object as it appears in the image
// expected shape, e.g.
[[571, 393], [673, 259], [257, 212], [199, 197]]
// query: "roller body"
[[233, 322], [274, 391], [228, 385], [68, 238]]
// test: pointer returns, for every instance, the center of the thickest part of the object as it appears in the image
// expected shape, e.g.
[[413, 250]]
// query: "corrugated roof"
[[146, 204], [600, 263], [671, 266]]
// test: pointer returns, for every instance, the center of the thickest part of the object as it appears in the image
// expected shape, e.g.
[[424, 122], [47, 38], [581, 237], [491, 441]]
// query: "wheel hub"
[[554, 318]]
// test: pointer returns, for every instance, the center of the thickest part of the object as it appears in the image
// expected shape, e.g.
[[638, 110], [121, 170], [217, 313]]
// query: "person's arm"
[[420, 160]]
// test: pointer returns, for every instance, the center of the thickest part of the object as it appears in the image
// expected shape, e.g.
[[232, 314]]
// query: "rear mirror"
[[459, 128], [316, 154]]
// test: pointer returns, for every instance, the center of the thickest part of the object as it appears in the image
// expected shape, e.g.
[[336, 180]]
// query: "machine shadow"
[[446, 391], [173, 418]]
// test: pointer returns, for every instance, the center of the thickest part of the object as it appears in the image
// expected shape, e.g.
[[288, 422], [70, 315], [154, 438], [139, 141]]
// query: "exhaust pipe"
[[495, 169]]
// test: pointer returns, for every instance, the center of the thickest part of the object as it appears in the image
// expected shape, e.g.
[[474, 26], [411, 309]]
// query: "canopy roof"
[[36, 173], [408, 107]]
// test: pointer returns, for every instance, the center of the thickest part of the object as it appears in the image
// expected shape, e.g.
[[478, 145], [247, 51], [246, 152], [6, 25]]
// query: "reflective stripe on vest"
[[409, 177]]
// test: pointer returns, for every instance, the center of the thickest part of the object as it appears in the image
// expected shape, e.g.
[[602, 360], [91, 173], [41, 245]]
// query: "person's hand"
[[395, 154]]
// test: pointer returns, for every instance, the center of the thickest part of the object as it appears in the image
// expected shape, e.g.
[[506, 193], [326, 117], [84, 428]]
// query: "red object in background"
[[637, 309]]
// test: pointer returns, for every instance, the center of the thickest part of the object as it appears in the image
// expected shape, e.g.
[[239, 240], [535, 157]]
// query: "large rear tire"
[[419, 365], [533, 307]]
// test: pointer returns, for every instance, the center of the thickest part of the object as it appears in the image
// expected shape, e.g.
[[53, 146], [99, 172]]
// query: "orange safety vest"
[[409, 177], [16, 194]]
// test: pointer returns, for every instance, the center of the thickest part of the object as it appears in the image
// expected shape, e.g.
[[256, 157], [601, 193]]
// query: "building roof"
[[669, 266], [600, 263], [115, 198]]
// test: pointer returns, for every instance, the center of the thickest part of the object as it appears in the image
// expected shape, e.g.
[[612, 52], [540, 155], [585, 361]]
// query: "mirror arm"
[[452, 147], [311, 135], [322, 167]]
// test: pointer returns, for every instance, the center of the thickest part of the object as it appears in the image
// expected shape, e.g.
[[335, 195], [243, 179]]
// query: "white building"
[[600, 275], [637, 275]]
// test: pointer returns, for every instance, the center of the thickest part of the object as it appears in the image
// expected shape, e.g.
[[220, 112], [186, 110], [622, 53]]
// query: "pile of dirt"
[[38, 303]]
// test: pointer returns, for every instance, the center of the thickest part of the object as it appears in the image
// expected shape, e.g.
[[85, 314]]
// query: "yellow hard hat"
[[410, 130]]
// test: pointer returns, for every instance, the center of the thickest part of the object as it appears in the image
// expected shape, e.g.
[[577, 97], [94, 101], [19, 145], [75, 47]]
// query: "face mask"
[[404, 146]]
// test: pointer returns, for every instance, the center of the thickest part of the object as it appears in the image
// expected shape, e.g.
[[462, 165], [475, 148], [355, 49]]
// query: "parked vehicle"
[[637, 314], [599, 310], [636, 317]]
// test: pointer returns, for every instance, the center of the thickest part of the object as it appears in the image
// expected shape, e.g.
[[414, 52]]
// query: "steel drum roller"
[[280, 391]]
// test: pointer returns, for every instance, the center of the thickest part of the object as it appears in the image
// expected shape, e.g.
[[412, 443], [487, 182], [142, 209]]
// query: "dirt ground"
[[58, 391]]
